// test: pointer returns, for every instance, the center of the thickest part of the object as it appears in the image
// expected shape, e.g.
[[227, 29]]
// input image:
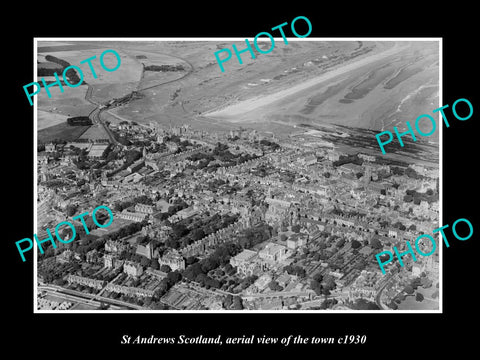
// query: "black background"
[[100, 334]]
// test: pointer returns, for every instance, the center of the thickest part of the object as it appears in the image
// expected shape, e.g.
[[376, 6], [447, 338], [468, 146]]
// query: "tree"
[[229, 269], [174, 277], [237, 303], [426, 283], [419, 297], [356, 244], [316, 286], [201, 278], [148, 301], [416, 282], [376, 244], [161, 289], [393, 305], [340, 243], [197, 234], [212, 283], [141, 240], [329, 282], [145, 262], [71, 209], [362, 304], [408, 289], [132, 156], [300, 271], [325, 291], [322, 246], [190, 260], [228, 301], [154, 264], [296, 228], [273, 285], [411, 173], [318, 277]]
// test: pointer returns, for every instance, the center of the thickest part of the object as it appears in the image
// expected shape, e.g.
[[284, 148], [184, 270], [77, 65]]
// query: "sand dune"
[[234, 112], [47, 119]]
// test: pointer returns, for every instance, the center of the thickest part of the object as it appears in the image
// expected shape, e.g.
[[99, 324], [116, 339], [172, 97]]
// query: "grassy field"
[[105, 92], [46, 119], [427, 304], [375, 89], [71, 102], [95, 132], [60, 131], [49, 65], [379, 91], [129, 71]]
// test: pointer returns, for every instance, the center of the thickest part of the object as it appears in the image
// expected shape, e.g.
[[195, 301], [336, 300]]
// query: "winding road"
[[95, 114], [378, 299]]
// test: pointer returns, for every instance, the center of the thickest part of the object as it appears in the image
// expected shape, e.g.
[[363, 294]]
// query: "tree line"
[[164, 68], [71, 74], [79, 121]]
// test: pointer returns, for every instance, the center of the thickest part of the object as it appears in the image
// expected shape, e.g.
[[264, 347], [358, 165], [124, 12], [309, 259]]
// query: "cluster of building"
[[250, 262], [46, 304], [297, 185]]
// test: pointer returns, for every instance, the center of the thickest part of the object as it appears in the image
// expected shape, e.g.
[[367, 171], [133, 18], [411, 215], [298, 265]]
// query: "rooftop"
[[245, 255]]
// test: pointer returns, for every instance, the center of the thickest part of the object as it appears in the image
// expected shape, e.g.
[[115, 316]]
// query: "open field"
[[374, 85], [95, 132], [427, 304], [207, 87], [69, 103], [154, 58], [47, 119], [129, 71], [376, 92], [49, 65], [60, 131], [57, 46], [104, 92]]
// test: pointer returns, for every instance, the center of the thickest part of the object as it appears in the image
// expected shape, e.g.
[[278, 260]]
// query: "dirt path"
[[260, 101]]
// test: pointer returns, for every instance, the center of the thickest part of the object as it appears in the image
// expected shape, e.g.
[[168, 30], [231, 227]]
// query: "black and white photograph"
[[212, 180], [262, 187]]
